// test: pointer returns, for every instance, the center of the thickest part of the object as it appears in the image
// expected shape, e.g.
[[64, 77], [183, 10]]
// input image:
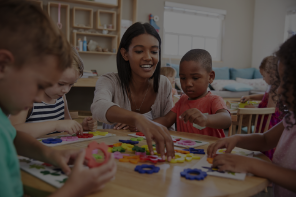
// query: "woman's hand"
[[229, 143], [89, 124], [159, 134], [245, 99]]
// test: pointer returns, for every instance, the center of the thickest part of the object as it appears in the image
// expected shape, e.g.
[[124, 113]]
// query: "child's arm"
[[88, 124], [220, 120], [236, 163], [252, 97], [94, 179], [38, 129], [257, 141], [271, 102], [168, 120]]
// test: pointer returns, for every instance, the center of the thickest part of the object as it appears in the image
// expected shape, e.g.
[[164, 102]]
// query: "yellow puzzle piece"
[[96, 133], [127, 147]]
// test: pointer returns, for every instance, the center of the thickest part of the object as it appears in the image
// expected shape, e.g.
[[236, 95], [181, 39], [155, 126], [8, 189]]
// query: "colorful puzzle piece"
[[70, 138], [117, 144], [118, 155], [139, 149], [200, 174], [46, 164], [132, 159], [152, 158], [182, 151], [91, 160], [139, 134], [210, 169], [52, 141], [46, 172], [118, 149], [210, 160], [96, 133], [186, 142], [63, 181], [129, 142], [97, 156], [85, 135], [141, 169], [127, 147], [37, 166], [110, 149], [179, 158], [195, 151]]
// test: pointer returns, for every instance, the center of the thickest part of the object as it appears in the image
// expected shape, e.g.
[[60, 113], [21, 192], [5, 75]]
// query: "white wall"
[[269, 24], [237, 41]]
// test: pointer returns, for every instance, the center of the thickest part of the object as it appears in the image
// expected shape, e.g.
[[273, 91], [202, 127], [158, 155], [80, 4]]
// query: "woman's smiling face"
[[143, 55]]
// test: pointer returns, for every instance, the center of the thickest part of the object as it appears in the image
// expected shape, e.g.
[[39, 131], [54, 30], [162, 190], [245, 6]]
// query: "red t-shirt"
[[208, 104]]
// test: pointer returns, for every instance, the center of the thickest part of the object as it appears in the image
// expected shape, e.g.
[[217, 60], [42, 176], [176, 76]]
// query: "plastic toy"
[[70, 138], [117, 144], [195, 151], [179, 158], [111, 146], [52, 141], [132, 159], [127, 147], [37, 166], [137, 139], [118, 155], [210, 160], [96, 133], [153, 169], [85, 135], [182, 151], [140, 134], [141, 153], [138, 149], [118, 149], [200, 174], [186, 142], [89, 156], [109, 149], [154, 159], [97, 156], [129, 142], [210, 169]]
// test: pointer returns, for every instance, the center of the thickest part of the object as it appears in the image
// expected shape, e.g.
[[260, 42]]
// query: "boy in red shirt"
[[198, 107]]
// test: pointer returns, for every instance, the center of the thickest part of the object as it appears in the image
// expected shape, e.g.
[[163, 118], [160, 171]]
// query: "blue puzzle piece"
[[196, 151], [200, 174], [153, 169], [52, 141], [129, 142]]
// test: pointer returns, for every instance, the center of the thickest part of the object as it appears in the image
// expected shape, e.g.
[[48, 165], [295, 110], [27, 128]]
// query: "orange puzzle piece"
[[132, 159], [117, 144], [210, 160], [182, 151]]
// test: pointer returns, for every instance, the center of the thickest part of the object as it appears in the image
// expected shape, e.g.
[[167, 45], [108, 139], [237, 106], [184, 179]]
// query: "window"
[[190, 27], [290, 24]]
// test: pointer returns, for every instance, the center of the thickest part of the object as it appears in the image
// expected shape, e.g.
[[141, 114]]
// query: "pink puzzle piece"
[[119, 155], [186, 142], [70, 138]]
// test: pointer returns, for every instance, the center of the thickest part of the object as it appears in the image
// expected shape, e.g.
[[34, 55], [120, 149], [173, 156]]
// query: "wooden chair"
[[248, 116]]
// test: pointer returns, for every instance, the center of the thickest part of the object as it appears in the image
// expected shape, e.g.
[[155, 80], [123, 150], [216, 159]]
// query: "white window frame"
[[289, 30], [197, 10]]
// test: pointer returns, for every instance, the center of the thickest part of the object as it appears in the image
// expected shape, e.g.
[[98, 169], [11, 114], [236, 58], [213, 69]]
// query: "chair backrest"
[[254, 111]]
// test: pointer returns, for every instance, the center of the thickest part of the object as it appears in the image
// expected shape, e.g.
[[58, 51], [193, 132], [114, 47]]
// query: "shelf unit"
[[52, 9], [100, 24], [89, 18], [112, 45]]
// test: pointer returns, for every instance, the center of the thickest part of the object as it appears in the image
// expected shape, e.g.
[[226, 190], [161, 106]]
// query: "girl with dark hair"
[[282, 136], [137, 94]]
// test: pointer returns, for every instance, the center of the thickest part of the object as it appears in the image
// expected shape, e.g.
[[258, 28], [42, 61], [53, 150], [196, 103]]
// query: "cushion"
[[258, 84], [257, 74], [238, 87], [219, 84], [175, 66], [245, 73], [222, 73]]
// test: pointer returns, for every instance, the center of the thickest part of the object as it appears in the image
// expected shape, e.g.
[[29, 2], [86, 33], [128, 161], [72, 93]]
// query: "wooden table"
[[167, 182]]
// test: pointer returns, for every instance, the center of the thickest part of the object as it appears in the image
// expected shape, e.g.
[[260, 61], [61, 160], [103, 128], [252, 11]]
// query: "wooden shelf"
[[92, 3], [96, 52], [86, 82], [90, 17], [99, 24]]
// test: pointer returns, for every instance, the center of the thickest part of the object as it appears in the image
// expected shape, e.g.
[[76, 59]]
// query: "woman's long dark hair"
[[123, 67], [287, 56]]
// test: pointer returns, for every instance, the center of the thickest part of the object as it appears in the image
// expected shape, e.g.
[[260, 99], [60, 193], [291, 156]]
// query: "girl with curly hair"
[[282, 171]]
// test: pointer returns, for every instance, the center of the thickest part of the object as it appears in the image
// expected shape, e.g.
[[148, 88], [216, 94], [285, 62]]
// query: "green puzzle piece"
[[118, 149], [63, 181], [97, 156], [137, 139], [139, 149], [45, 172], [37, 166], [233, 173]]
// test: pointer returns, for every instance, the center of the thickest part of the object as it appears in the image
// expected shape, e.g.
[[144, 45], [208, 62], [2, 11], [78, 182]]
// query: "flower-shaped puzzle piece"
[[182, 151], [89, 156], [153, 169], [132, 159], [37, 166], [110, 149], [152, 158], [119, 155], [70, 138], [139, 149], [117, 144], [52, 141], [186, 142], [127, 147], [96, 133], [118, 149], [210, 160], [200, 174], [196, 151], [85, 135], [210, 169], [140, 134], [129, 142], [179, 158]]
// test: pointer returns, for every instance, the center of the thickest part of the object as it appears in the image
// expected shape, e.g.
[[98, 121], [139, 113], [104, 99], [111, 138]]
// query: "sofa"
[[232, 82]]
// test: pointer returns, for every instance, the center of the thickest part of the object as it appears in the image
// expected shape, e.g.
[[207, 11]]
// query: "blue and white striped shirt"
[[42, 112]]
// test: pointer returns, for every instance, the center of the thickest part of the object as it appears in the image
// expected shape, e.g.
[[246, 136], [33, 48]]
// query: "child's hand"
[[70, 126], [120, 126], [229, 143], [89, 124], [233, 163], [195, 116], [245, 99], [94, 178]]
